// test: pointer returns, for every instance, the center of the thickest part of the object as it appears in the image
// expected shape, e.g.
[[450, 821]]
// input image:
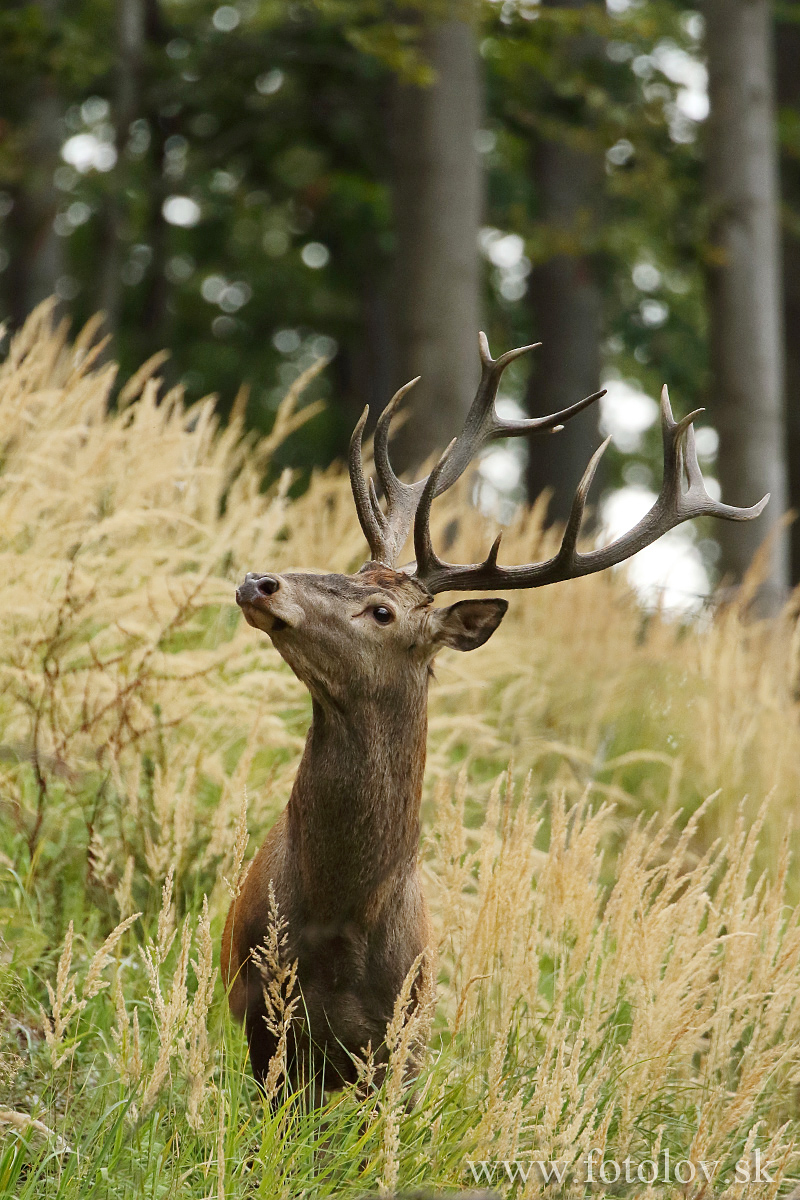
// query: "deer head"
[[346, 633]]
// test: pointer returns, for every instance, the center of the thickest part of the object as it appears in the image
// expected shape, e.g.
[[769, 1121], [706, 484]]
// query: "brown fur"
[[342, 857]]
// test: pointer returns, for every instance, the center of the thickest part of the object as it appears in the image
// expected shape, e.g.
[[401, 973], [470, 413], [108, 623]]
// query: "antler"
[[386, 532], [673, 506]]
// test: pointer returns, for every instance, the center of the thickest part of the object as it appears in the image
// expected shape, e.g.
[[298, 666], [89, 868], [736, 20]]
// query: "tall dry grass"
[[619, 948]]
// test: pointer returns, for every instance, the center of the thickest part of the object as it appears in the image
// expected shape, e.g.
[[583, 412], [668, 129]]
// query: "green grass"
[[602, 980]]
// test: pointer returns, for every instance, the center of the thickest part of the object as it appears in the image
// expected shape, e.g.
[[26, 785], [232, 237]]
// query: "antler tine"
[[694, 476], [386, 533], [673, 438], [361, 493], [375, 505], [680, 458], [672, 507], [392, 486], [569, 541], [550, 424], [483, 424], [427, 559], [401, 498]]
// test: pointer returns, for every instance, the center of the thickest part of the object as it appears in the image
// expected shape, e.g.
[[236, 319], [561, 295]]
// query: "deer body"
[[343, 863], [341, 860]]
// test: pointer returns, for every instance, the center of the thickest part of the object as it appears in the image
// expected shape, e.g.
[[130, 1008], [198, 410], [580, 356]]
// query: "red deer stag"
[[342, 857]]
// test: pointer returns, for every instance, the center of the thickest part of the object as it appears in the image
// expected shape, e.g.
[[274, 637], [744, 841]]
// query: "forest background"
[[253, 186], [312, 202]]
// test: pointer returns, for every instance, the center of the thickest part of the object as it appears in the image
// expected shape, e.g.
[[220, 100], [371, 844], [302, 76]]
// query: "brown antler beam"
[[672, 507], [386, 533]]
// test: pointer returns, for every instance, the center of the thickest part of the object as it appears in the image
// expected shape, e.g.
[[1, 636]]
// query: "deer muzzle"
[[255, 587], [256, 596]]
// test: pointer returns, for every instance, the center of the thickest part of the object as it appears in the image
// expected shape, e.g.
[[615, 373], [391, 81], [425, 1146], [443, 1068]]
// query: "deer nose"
[[253, 585], [268, 584]]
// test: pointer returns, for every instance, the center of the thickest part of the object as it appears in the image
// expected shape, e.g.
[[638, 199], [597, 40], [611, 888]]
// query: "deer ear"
[[469, 623]]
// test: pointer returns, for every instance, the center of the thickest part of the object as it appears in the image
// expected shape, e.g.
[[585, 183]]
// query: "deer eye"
[[382, 614]]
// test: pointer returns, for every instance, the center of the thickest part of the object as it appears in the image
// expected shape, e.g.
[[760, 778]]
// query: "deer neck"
[[354, 809]]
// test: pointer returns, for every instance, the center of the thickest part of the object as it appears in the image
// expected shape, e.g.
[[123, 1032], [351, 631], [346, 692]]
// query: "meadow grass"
[[607, 839]]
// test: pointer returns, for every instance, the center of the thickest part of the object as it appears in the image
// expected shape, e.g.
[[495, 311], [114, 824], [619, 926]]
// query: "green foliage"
[[273, 121], [603, 82]]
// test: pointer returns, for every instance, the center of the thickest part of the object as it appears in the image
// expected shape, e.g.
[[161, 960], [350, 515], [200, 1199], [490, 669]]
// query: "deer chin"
[[264, 619]]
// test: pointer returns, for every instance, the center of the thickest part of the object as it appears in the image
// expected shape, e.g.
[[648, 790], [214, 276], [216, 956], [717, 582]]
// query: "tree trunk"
[[565, 306], [130, 16], [153, 327], [788, 46], [745, 289], [437, 193], [38, 250], [566, 311], [365, 366], [46, 260]]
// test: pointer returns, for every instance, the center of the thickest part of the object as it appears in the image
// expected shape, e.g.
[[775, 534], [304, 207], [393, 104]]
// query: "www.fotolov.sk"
[[594, 1167]]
